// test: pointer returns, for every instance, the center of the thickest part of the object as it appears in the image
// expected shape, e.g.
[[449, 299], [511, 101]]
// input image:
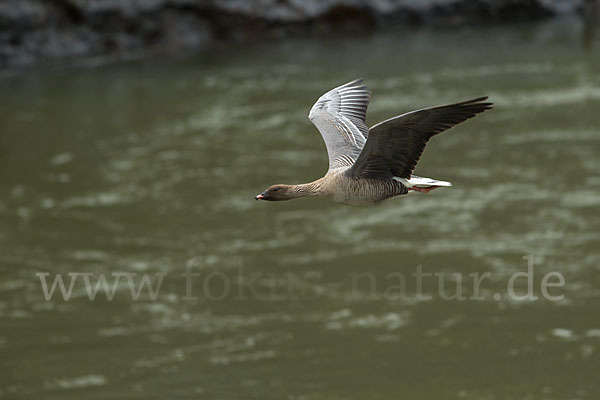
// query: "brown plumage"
[[366, 165]]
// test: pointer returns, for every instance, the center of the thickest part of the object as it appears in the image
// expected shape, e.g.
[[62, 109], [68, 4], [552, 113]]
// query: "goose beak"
[[261, 196]]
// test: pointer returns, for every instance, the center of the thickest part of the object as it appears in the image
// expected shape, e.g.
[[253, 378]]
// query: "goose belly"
[[367, 191]]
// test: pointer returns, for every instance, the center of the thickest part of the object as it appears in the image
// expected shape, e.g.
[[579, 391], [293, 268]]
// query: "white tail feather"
[[421, 182]]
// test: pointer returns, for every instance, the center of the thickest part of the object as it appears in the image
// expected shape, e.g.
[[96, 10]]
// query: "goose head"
[[277, 193]]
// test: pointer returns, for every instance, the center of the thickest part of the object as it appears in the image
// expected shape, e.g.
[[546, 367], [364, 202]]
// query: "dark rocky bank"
[[35, 30]]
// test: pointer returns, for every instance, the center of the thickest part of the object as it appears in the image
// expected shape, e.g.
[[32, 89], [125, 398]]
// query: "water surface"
[[152, 165]]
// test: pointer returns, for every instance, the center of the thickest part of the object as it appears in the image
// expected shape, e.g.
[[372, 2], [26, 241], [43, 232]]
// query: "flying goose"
[[368, 165]]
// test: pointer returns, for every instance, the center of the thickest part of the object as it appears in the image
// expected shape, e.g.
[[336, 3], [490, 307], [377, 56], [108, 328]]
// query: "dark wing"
[[395, 145], [339, 115]]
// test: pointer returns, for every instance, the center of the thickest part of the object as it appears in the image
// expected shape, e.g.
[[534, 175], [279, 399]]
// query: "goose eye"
[[276, 189]]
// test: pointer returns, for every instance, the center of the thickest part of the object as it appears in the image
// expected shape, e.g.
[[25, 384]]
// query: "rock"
[[184, 29], [32, 30], [21, 15]]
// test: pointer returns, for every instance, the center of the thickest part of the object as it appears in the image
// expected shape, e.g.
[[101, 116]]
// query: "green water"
[[150, 165]]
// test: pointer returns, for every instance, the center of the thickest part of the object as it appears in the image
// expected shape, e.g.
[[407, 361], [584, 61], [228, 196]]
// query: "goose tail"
[[421, 184], [417, 181]]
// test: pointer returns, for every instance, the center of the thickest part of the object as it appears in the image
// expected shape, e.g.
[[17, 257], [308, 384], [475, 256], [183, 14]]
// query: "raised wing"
[[339, 115], [395, 145]]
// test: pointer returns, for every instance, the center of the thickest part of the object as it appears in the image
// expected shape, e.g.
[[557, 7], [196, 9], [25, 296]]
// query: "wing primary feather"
[[339, 115], [394, 146]]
